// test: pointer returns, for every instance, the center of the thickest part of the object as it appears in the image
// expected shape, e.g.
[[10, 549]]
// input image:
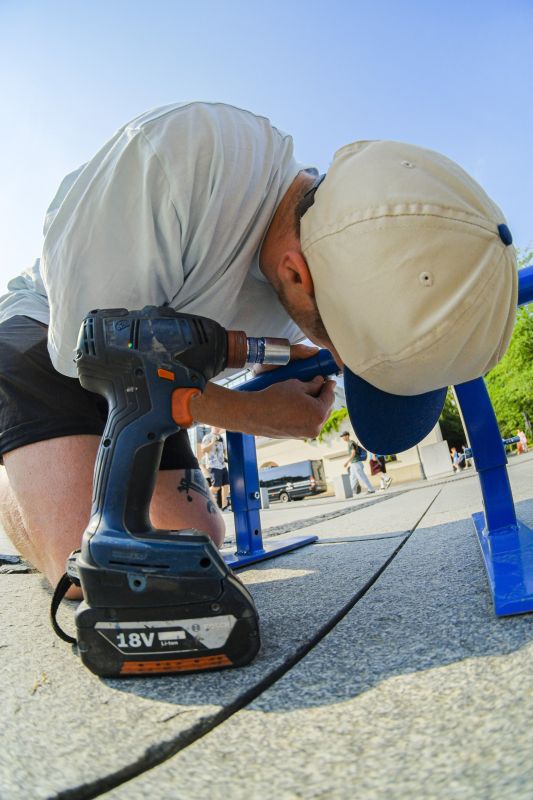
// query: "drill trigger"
[[181, 413]]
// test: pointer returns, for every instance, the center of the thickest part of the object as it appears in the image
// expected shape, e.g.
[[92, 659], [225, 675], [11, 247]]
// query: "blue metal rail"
[[243, 473], [506, 542]]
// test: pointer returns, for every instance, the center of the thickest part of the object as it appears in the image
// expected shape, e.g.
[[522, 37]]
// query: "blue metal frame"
[[506, 542], [243, 474]]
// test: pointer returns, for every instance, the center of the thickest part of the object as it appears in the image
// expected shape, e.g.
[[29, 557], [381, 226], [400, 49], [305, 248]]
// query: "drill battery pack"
[[186, 613]]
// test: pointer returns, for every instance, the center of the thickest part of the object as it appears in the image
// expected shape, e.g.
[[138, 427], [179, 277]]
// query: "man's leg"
[[182, 499], [45, 500], [354, 482], [225, 495], [362, 476], [224, 489], [216, 487]]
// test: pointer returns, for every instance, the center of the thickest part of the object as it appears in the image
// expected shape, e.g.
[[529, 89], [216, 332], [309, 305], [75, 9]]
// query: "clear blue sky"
[[453, 76]]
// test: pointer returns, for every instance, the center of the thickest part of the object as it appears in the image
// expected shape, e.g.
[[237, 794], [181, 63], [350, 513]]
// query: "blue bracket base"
[[508, 557], [268, 550]]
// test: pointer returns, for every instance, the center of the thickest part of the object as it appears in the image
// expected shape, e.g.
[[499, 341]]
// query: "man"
[[356, 469], [202, 207], [213, 448]]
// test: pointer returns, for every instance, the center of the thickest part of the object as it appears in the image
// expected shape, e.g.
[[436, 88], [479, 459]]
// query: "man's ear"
[[294, 274]]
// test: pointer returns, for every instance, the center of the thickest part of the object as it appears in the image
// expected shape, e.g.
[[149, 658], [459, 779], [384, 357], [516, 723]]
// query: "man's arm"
[[349, 458], [291, 409], [207, 444], [353, 452]]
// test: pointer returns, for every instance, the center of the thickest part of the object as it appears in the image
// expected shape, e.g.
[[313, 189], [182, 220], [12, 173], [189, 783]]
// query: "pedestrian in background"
[[458, 460], [215, 458], [378, 467], [354, 463], [521, 446]]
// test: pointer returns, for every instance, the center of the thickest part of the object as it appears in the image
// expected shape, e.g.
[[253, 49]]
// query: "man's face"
[[310, 322]]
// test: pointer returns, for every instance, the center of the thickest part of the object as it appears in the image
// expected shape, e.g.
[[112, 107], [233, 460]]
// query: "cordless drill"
[[155, 601]]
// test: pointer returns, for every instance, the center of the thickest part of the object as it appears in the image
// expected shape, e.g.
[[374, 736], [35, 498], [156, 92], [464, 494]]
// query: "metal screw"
[[215, 607]]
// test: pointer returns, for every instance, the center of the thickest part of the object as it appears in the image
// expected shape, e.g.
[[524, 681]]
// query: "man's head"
[[284, 264], [406, 267], [345, 436]]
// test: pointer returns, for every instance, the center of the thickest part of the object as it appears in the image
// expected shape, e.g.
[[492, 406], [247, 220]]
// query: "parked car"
[[293, 481]]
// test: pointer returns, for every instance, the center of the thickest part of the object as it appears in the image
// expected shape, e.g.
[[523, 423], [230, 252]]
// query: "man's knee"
[[10, 515], [215, 528], [48, 499]]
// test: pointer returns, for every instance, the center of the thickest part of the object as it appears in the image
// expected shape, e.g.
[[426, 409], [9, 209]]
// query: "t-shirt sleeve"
[[115, 242]]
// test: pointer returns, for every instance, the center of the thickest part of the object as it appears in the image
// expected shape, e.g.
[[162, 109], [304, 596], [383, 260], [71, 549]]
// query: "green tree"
[[332, 424], [510, 383]]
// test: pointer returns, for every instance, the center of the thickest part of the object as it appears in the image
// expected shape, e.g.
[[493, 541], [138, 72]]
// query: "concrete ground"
[[383, 673]]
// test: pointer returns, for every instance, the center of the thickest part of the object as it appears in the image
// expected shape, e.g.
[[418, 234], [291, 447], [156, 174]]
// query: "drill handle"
[[129, 453]]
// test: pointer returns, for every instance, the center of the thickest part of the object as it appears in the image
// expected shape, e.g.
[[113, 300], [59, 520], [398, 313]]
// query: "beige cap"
[[414, 275]]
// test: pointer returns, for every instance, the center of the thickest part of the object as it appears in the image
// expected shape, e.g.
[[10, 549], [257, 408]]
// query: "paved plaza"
[[383, 674]]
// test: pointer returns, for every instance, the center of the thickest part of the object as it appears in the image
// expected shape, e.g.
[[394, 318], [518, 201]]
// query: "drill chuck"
[[249, 350]]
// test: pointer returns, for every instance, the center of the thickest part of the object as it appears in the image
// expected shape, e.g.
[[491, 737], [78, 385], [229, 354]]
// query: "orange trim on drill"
[[180, 406], [175, 665], [165, 373]]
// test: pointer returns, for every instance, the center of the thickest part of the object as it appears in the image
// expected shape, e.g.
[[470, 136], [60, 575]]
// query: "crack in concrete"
[[290, 527]]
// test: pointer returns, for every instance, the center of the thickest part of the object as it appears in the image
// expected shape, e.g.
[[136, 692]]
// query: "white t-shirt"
[[214, 458], [172, 210]]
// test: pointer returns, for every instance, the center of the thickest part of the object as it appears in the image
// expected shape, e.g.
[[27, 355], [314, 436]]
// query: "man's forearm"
[[287, 409], [226, 408]]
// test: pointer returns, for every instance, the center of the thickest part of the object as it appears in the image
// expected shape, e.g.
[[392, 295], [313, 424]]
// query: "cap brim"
[[390, 423]]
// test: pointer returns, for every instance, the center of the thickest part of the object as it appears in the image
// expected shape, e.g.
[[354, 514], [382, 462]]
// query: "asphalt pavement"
[[383, 673]]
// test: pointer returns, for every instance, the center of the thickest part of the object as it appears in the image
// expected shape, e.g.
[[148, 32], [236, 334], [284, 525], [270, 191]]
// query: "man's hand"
[[208, 445], [293, 408]]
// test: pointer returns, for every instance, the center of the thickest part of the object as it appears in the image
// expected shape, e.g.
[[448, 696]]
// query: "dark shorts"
[[39, 403], [219, 477]]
